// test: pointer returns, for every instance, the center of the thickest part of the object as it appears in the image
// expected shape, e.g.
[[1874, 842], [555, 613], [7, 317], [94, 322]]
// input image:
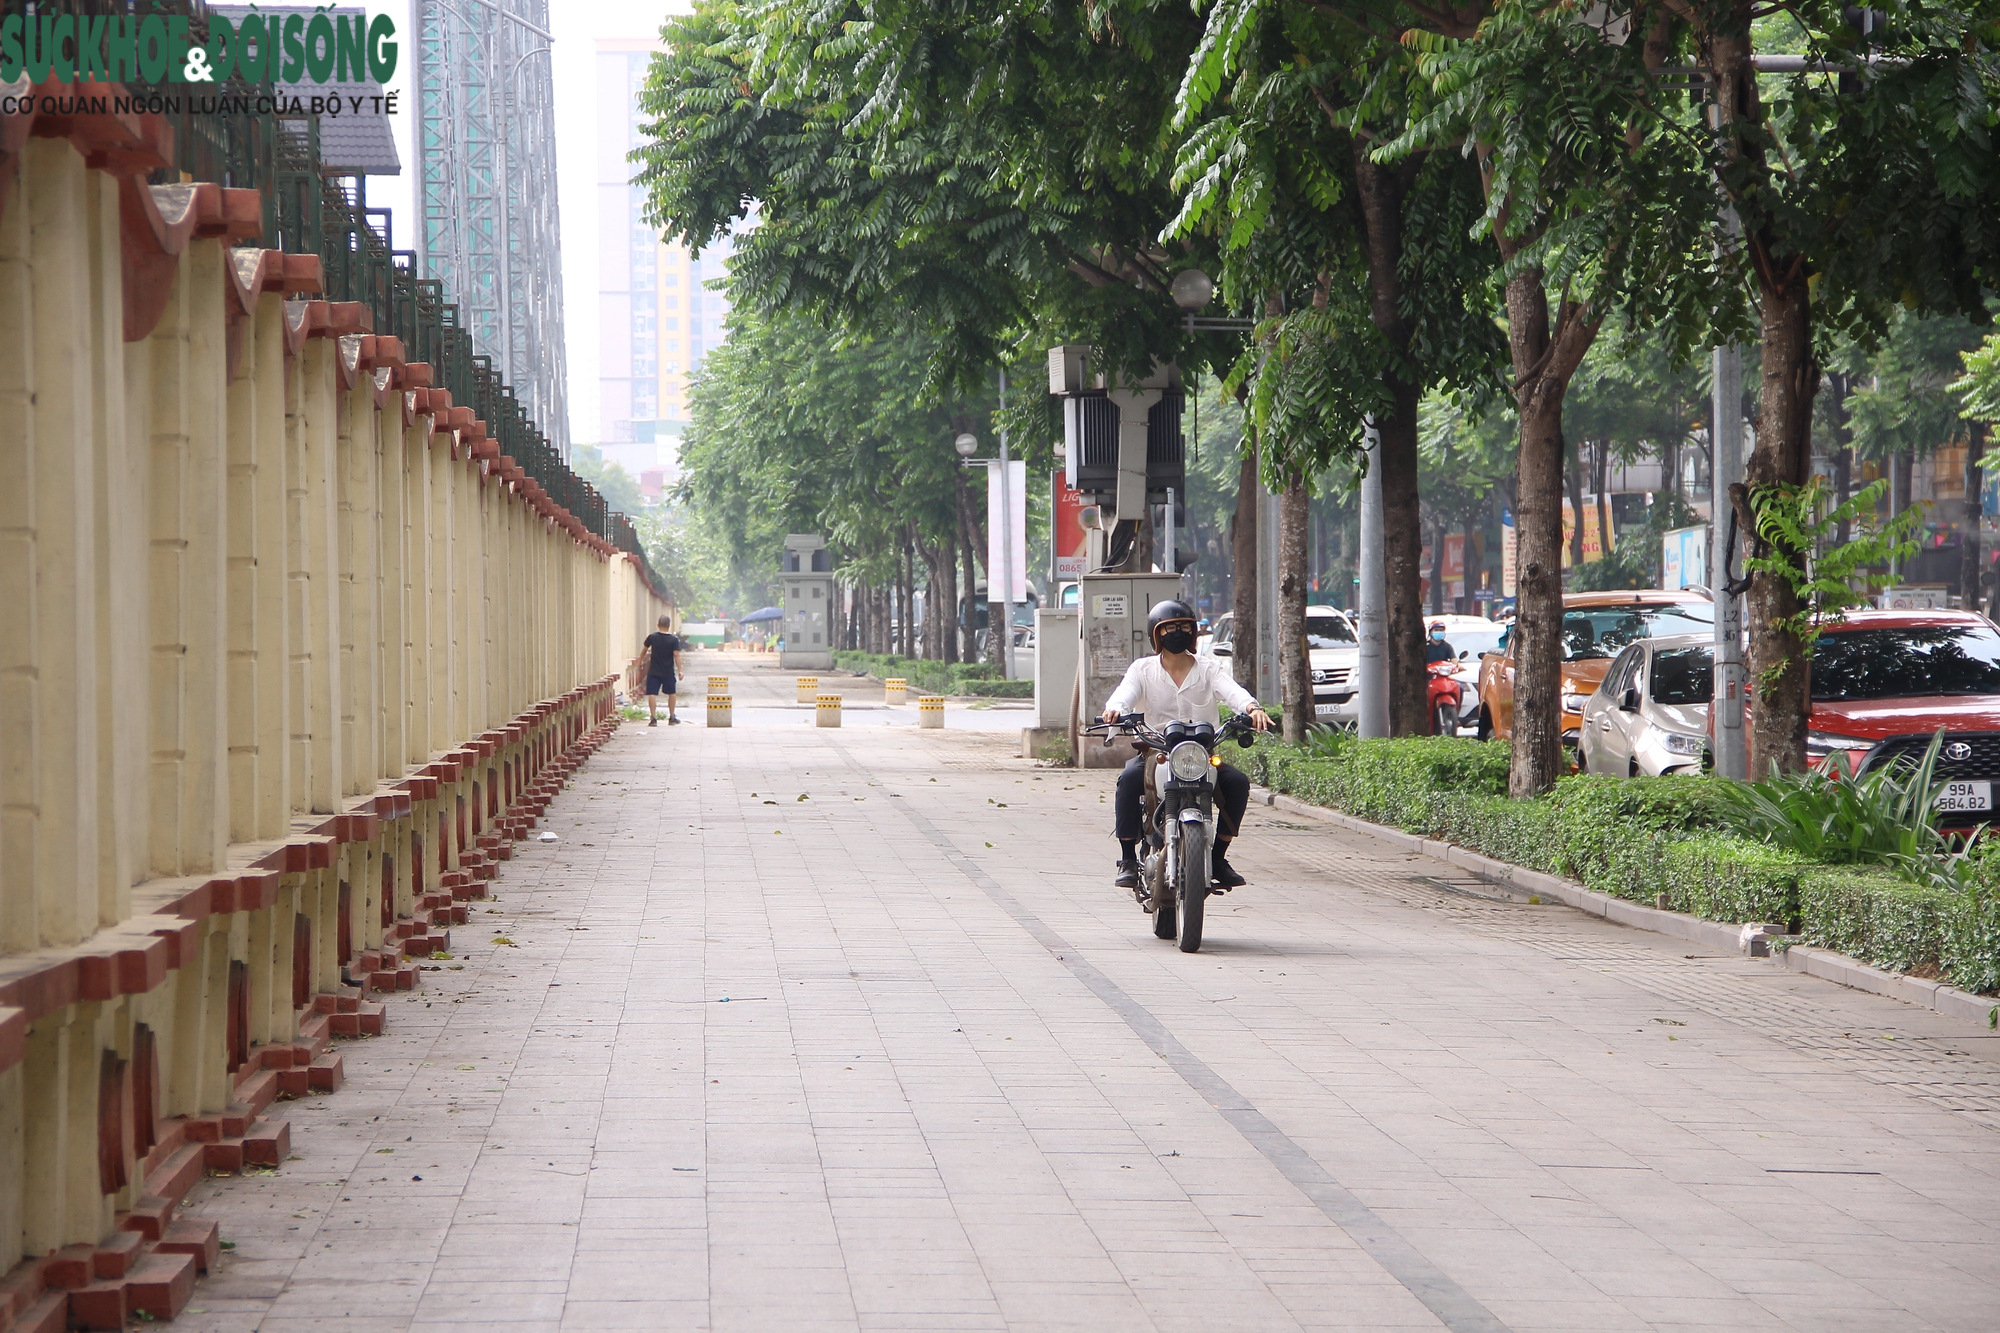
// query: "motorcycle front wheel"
[[1193, 888], [1446, 722]]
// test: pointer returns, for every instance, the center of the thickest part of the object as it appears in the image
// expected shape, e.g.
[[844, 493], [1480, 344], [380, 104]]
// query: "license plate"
[[1322, 710], [1965, 797]]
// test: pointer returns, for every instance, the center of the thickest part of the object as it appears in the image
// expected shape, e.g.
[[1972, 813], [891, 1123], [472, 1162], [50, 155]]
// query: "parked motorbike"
[[1179, 818], [1446, 694]]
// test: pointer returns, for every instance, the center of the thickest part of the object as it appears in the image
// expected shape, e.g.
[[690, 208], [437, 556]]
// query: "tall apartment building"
[[656, 319]]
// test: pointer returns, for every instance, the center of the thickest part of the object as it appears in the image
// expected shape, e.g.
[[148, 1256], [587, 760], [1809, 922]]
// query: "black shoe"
[[652, 722], [674, 721], [1128, 874], [1225, 877]]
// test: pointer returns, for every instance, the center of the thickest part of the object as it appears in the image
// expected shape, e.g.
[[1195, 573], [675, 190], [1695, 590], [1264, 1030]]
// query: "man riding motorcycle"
[[1439, 648], [1175, 685]]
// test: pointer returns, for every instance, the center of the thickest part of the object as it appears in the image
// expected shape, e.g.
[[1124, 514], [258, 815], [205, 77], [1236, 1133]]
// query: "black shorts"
[[659, 685]]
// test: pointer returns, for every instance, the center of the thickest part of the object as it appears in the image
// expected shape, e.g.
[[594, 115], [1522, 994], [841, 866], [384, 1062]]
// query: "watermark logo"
[[278, 48]]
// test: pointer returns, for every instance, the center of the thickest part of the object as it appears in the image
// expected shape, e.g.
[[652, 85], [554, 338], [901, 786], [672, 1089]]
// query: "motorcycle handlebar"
[[1134, 724]]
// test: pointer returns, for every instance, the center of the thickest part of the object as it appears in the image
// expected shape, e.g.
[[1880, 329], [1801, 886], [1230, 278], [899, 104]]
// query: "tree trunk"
[[1573, 475], [1469, 604], [966, 611], [1243, 577], [1437, 565], [1900, 467], [1545, 354], [1843, 458], [1969, 563], [944, 589], [1783, 454], [1537, 637], [1606, 542], [1403, 557], [1294, 659], [1381, 191], [931, 637]]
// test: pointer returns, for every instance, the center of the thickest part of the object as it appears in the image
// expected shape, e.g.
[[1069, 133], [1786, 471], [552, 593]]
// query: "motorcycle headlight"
[[1573, 703], [1675, 742], [1188, 761]]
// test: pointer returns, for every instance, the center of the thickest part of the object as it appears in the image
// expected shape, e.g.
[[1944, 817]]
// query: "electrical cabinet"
[[1111, 633]]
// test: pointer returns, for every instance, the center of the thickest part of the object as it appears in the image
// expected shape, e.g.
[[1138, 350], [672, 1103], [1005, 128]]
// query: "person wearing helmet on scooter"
[[1437, 650], [1175, 685]]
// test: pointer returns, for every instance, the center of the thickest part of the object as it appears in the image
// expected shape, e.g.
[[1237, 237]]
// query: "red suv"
[[1884, 682]]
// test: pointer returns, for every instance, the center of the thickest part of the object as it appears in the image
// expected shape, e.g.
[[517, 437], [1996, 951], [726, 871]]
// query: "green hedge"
[[1644, 838], [978, 678], [1869, 914], [1720, 877]]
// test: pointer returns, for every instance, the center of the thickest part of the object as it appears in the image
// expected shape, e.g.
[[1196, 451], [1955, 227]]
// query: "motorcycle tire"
[[1166, 914], [1194, 884], [1446, 721]]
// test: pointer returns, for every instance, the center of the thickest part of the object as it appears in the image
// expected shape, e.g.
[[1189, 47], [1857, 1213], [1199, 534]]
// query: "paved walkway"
[[801, 1029]]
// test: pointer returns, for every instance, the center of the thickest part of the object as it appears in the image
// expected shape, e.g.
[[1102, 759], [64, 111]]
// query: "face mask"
[[1177, 641], [1437, 634]]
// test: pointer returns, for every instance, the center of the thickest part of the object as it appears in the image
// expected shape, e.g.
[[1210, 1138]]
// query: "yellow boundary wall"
[[290, 655]]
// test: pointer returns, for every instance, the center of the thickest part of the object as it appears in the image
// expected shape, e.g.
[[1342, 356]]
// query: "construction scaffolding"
[[490, 230]]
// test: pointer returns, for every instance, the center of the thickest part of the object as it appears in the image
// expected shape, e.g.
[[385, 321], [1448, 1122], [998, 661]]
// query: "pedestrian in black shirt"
[[659, 663]]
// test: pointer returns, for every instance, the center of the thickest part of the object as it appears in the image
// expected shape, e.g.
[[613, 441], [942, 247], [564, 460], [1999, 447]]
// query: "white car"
[[1649, 715], [1333, 650]]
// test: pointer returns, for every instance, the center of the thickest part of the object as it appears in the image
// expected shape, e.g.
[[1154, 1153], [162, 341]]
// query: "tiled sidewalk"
[[805, 1029]]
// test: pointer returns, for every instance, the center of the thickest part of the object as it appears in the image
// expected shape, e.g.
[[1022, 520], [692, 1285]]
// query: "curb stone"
[[1722, 936]]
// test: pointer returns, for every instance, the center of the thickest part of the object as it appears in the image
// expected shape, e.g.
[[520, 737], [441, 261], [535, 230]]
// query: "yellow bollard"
[[828, 710], [930, 710], [895, 690], [718, 684], [718, 711], [808, 689]]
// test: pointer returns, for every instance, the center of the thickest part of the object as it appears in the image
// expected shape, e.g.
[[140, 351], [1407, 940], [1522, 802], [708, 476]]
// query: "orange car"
[[1596, 626]]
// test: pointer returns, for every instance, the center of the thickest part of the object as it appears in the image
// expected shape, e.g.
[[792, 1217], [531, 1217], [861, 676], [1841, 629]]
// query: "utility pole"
[[1374, 628], [1006, 541], [1726, 441]]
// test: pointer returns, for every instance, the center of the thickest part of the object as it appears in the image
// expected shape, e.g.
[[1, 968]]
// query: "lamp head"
[[967, 444], [1191, 289]]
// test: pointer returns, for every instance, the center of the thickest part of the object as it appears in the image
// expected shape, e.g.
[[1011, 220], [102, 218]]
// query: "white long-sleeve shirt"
[[1148, 689]]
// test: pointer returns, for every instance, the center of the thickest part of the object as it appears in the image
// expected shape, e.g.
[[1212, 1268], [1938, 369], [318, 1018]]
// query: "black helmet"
[[1163, 613]]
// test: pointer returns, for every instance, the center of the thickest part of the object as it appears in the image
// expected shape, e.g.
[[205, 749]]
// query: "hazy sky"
[[577, 25]]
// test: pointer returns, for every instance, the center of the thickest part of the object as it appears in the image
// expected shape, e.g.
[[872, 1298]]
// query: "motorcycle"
[[1445, 695], [1180, 817]]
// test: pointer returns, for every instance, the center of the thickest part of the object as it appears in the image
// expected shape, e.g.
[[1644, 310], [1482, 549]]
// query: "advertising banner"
[[1684, 559], [1593, 542], [1012, 584], [1066, 534], [1510, 556]]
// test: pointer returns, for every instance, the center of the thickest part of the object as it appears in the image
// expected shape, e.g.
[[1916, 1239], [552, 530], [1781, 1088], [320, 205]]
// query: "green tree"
[[613, 482], [1368, 276], [1864, 182], [994, 172], [793, 429], [1598, 203]]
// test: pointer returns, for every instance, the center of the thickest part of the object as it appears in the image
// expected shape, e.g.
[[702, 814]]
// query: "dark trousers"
[[1232, 797]]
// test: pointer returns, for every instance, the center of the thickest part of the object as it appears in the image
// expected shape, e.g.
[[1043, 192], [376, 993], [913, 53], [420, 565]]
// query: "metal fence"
[[309, 212]]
